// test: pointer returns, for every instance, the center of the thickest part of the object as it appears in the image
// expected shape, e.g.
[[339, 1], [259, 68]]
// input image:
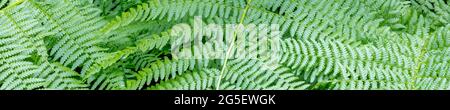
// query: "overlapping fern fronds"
[[313, 44]]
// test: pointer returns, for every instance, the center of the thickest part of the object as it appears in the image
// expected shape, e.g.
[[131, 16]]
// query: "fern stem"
[[12, 5], [419, 61], [241, 21], [16, 25]]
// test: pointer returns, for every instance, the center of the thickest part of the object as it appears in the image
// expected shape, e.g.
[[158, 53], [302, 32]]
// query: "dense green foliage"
[[129, 44]]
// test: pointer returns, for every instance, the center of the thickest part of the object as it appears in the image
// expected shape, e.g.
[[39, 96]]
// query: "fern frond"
[[254, 75], [196, 80], [63, 17], [165, 69], [327, 60], [326, 19], [438, 10], [60, 77], [433, 72], [176, 9]]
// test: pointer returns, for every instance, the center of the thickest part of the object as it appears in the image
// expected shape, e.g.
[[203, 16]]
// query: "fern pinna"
[[273, 44]]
